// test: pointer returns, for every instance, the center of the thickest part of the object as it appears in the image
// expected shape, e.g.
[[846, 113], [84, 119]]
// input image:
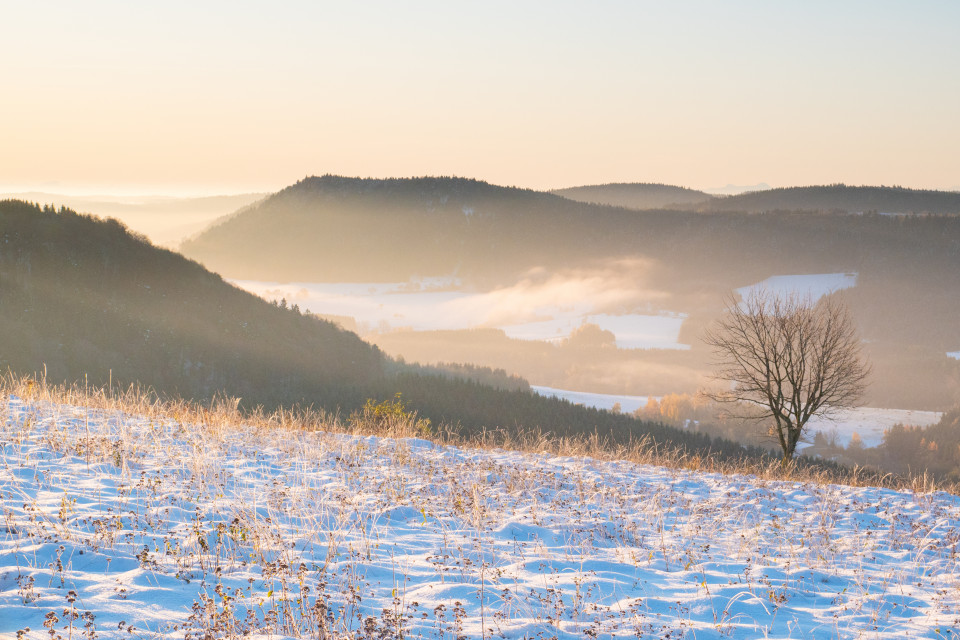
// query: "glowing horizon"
[[177, 98]]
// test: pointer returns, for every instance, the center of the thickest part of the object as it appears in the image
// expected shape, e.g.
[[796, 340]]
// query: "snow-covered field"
[[137, 527]]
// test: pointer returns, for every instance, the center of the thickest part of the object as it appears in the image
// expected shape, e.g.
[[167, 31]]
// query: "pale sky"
[[205, 97]]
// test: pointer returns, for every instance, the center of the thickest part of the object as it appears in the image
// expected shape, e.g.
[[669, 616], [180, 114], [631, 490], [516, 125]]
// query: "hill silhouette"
[[83, 299], [635, 195], [334, 229], [840, 197]]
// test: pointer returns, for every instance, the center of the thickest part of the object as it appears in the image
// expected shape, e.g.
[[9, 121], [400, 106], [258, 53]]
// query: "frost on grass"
[[124, 526]]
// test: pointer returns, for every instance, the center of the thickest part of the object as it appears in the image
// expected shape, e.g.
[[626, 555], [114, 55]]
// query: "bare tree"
[[788, 359]]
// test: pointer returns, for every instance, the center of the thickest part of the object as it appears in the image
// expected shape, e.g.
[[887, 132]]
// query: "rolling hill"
[[840, 197], [333, 229], [636, 195]]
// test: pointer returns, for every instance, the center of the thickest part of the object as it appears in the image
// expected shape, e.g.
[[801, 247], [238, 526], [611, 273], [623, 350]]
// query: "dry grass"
[[223, 412], [275, 524]]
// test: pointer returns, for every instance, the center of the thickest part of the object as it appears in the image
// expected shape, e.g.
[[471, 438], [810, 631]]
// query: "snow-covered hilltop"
[[124, 526]]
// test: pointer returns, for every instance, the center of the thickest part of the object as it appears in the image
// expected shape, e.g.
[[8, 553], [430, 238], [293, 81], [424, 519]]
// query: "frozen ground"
[[868, 423], [132, 527]]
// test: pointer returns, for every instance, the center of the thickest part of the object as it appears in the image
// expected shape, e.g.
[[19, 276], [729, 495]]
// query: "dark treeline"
[[83, 299], [840, 197], [473, 406], [583, 363], [827, 198], [486, 376]]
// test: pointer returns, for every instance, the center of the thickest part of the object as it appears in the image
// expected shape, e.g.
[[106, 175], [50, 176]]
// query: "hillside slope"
[[82, 297], [840, 197], [635, 195], [161, 526], [333, 229]]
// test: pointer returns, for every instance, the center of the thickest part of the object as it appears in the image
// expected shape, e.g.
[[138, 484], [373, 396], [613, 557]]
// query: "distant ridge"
[[420, 187], [334, 228], [840, 197], [635, 195]]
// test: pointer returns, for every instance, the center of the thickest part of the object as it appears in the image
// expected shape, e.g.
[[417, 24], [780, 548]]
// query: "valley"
[[479, 321]]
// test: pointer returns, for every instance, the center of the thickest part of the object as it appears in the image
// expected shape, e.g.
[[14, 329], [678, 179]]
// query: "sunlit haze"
[[228, 97]]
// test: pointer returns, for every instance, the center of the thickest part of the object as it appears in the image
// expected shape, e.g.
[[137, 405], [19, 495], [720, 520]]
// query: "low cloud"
[[615, 287]]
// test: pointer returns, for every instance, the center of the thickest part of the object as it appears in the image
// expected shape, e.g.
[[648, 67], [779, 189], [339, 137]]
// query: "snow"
[[628, 404], [954, 354], [870, 423], [168, 527], [814, 285]]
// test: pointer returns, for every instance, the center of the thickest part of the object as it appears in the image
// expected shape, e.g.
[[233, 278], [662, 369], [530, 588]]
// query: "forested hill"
[[839, 197], [334, 229], [81, 298], [636, 195]]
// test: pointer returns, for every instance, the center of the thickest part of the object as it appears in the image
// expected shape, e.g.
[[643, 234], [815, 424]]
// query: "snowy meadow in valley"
[[154, 526], [528, 310], [549, 312]]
